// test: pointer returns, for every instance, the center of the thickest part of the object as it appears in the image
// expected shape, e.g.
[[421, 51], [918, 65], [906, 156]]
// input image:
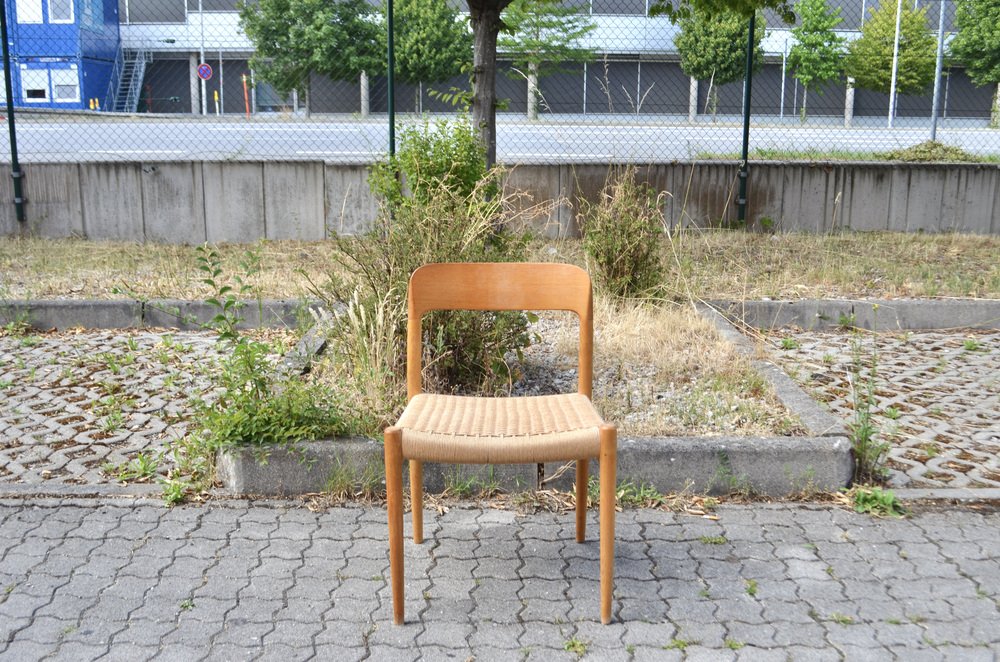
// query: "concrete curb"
[[157, 313], [818, 314], [775, 466], [891, 315]]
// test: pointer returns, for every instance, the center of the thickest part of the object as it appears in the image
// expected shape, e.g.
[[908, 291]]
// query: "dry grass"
[[663, 370], [725, 264], [706, 264], [79, 269]]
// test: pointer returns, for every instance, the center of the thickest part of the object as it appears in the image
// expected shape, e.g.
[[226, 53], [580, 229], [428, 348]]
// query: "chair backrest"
[[499, 286]]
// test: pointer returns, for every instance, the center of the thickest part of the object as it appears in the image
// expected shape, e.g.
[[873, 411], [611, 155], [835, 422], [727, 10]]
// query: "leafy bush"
[[443, 206], [256, 404], [621, 236]]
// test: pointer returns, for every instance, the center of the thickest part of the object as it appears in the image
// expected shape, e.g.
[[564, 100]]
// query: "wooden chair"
[[475, 430]]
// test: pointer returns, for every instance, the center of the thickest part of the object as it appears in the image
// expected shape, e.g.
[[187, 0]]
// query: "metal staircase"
[[126, 80]]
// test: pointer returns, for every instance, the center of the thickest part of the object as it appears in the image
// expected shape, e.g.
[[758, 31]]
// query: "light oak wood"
[[501, 286], [394, 499], [609, 465]]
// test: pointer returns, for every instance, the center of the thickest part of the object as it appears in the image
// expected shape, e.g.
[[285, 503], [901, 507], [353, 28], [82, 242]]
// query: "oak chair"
[[516, 430]]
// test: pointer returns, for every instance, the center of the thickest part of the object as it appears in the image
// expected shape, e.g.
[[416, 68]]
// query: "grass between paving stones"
[[706, 264]]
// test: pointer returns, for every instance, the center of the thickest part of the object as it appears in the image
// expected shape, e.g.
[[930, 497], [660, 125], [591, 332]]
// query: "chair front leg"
[[609, 460], [394, 497], [581, 499]]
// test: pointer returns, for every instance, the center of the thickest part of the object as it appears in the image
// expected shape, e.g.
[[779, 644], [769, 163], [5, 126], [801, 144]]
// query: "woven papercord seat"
[[474, 430], [463, 430]]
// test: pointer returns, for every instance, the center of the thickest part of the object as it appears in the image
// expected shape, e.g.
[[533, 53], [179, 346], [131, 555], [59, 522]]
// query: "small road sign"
[[204, 71]]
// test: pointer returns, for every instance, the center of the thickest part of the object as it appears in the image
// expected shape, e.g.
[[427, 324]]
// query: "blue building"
[[63, 52]]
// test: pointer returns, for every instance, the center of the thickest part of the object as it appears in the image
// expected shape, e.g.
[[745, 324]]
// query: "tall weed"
[[439, 203], [621, 236]]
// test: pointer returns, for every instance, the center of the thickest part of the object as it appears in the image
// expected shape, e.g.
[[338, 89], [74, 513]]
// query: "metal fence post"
[[741, 200], [15, 167]]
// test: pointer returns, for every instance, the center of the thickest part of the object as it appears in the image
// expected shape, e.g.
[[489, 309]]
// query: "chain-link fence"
[[583, 80]]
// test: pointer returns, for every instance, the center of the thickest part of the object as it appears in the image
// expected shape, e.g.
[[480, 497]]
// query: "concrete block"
[[533, 186], [865, 200], [173, 202], [977, 199], [898, 193], [294, 201], [350, 206], [65, 314], [710, 193], [892, 314], [718, 465], [764, 200], [925, 198], [301, 469], [234, 201], [112, 201], [714, 465], [53, 205], [195, 315]]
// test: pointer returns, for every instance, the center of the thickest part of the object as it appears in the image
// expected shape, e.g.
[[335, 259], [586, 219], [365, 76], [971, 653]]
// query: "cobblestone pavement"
[[74, 403], [937, 398], [238, 581]]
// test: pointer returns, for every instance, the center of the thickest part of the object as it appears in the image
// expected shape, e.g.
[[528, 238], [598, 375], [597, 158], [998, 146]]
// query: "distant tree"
[[678, 9], [818, 53], [541, 37], [869, 58], [713, 48], [433, 42], [977, 46], [294, 38]]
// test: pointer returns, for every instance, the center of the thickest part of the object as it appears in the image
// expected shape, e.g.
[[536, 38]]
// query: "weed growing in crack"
[[869, 451], [576, 646], [878, 502]]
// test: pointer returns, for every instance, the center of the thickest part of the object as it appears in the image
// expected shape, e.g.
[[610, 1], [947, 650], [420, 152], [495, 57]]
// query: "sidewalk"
[[234, 580]]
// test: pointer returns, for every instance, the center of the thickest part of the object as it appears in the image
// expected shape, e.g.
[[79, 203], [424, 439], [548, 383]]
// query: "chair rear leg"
[[609, 459], [394, 497], [417, 499], [581, 499]]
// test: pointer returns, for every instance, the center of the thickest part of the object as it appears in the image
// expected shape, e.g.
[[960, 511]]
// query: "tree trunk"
[[849, 103], [532, 91], [805, 99], [364, 94], [485, 18], [995, 115]]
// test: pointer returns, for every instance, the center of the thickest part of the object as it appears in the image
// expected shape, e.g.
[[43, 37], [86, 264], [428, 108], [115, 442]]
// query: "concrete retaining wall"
[[194, 202]]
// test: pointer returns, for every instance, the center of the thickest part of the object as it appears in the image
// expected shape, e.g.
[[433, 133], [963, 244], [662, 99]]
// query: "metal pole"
[[741, 200], [391, 80], [938, 64], [201, 60], [895, 63], [15, 167]]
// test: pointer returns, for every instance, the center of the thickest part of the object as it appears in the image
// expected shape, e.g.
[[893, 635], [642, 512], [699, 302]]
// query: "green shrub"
[[448, 208], [621, 236]]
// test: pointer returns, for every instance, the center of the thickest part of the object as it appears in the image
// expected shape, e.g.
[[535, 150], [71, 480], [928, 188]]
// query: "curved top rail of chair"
[[499, 286]]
